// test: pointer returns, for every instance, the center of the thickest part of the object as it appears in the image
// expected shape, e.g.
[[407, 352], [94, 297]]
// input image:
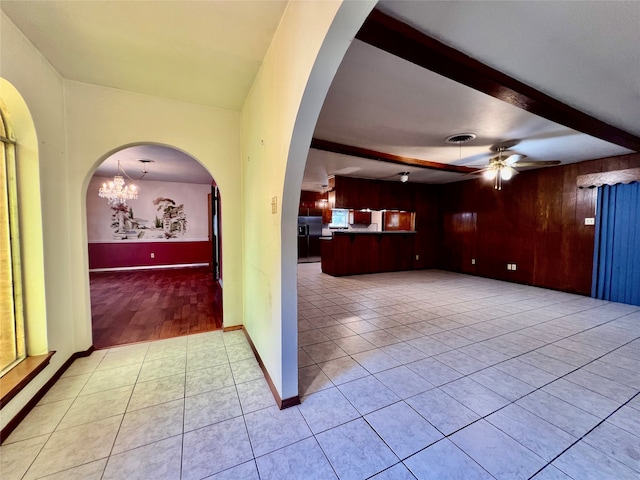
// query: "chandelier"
[[117, 192]]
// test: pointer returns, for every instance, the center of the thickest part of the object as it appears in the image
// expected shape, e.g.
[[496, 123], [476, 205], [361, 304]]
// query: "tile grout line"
[[524, 353], [584, 435]]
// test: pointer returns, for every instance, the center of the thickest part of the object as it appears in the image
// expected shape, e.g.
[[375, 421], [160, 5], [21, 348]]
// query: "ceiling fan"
[[503, 166]]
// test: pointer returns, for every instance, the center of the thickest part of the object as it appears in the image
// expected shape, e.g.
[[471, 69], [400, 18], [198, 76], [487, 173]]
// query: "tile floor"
[[427, 375]]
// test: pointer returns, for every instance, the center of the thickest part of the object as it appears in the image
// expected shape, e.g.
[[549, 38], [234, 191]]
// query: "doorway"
[[153, 254]]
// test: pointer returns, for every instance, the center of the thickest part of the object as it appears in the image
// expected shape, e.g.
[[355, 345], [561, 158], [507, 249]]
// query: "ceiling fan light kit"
[[404, 176], [503, 169]]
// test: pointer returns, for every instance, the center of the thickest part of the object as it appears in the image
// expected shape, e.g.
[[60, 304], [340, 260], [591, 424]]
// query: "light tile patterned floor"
[[427, 375]]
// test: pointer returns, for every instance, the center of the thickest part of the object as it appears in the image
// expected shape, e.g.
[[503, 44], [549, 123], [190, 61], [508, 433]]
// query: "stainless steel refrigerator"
[[309, 232]]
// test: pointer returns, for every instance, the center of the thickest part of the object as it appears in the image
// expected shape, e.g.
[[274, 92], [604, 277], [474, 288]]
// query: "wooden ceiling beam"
[[399, 39], [334, 147]]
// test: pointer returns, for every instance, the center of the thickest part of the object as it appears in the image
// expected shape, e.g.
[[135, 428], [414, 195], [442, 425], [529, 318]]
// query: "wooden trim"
[[233, 328], [19, 376], [408, 43], [608, 178], [15, 421], [334, 147], [289, 402], [282, 403]]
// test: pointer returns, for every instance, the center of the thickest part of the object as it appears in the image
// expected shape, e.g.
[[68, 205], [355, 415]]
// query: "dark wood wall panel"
[[357, 193], [536, 221], [427, 226]]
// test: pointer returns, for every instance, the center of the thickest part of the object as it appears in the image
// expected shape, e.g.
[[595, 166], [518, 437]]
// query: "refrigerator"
[[309, 232]]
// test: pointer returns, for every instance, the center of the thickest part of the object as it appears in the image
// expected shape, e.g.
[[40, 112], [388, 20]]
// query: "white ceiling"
[[586, 55], [168, 164], [208, 52], [203, 52]]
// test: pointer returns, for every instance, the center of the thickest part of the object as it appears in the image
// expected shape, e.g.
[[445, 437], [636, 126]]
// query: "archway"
[[274, 151], [153, 253]]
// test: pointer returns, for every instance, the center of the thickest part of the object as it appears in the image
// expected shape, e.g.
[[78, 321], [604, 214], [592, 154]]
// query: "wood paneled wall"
[[536, 221], [360, 193]]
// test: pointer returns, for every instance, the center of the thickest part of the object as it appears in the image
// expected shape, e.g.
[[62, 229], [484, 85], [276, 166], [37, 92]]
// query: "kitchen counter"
[[353, 253], [366, 232]]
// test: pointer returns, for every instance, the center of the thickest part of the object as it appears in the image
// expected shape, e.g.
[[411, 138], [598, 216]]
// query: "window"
[[12, 338]]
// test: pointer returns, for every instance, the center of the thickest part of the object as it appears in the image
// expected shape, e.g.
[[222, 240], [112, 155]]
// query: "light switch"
[[589, 221]]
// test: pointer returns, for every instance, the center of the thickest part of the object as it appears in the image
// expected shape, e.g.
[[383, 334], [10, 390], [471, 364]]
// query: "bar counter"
[[354, 253]]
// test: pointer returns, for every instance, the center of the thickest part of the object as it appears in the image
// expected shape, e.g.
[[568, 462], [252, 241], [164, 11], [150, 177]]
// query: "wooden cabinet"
[[396, 196], [396, 252], [358, 253], [360, 217], [359, 193], [326, 215], [314, 204], [394, 221], [356, 193]]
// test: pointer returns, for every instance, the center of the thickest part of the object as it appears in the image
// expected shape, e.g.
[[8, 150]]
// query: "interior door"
[[214, 231]]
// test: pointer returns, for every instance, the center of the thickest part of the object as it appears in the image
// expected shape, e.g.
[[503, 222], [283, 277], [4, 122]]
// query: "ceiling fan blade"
[[533, 163], [481, 169], [511, 159]]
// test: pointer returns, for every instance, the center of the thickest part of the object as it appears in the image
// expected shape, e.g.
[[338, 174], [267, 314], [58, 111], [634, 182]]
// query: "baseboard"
[[282, 403], [148, 267], [15, 421], [233, 328]]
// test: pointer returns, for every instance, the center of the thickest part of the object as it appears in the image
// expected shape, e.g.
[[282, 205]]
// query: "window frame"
[[11, 216]]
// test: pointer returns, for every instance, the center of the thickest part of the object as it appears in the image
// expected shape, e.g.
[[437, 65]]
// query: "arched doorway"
[[153, 246]]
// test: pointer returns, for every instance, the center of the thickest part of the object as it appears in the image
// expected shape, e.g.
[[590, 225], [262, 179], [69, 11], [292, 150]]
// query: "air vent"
[[460, 138]]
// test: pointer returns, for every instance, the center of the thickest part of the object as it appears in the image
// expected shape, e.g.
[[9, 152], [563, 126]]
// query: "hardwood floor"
[[143, 305]]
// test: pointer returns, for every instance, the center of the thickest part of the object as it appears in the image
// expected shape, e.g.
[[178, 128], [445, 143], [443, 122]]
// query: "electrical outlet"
[[473, 261], [153, 255], [508, 266], [417, 257], [589, 221], [274, 205], [513, 267]]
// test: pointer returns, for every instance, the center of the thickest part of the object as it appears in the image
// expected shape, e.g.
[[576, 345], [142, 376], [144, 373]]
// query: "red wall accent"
[[138, 254]]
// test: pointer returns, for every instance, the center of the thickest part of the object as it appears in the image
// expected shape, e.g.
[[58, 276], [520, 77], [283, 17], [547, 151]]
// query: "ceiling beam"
[[399, 39], [334, 147]]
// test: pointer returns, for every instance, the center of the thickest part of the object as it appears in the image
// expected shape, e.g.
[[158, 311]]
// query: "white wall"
[[193, 196], [45, 257], [77, 126], [101, 120], [278, 120]]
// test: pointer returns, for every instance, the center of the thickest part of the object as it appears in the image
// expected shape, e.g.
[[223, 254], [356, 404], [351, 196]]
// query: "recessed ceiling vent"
[[459, 138]]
